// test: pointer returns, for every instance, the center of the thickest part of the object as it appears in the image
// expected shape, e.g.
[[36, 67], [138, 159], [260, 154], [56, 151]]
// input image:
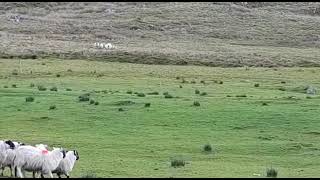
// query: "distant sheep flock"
[[20, 157], [104, 45]]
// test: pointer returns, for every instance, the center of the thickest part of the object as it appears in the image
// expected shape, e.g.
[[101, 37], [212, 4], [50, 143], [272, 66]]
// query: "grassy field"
[[274, 125]]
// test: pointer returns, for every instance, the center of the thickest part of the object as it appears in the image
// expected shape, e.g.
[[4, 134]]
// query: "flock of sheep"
[[104, 45], [36, 159]]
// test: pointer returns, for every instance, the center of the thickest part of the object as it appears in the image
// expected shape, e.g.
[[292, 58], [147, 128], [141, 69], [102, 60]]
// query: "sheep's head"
[[75, 152], [61, 150], [10, 143]]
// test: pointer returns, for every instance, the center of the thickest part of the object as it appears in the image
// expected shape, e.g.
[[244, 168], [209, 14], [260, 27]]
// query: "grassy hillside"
[[250, 127], [225, 34]]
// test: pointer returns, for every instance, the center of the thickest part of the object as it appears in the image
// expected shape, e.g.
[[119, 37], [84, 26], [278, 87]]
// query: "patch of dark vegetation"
[[241, 95], [229, 96], [44, 117], [153, 93], [58, 75], [68, 89], [202, 81], [120, 109], [309, 97], [29, 99], [18, 109], [14, 72], [180, 86], [264, 104], [177, 77], [197, 91], [52, 107], [193, 82], [282, 89], [96, 103], [313, 133], [196, 103], [124, 103], [271, 172], [32, 85], [129, 92], [177, 162], [256, 85], [41, 88], [54, 89], [283, 82], [141, 95], [14, 85], [91, 101], [84, 97], [207, 148], [203, 94], [184, 81], [168, 96], [5, 86], [43, 63], [147, 104], [220, 82], [69, 70]]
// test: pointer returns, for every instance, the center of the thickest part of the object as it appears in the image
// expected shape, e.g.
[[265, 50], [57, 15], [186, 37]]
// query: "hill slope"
[[226, 34]]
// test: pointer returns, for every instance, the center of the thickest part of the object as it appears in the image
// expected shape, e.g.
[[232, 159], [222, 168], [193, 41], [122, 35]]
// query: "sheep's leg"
[[18, 172], [33, 174], [24, 173], [67, 175], [41, 175], [59, 175], [11, 174], [50, 174], [15, 171]]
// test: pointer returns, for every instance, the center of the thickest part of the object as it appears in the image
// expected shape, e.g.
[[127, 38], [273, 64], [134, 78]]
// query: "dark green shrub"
[[256, 85], [84, 97], [168, 96], [203, 94], [197, 91], [220, 82], [229, 96], [52, 107], [282, 89], [129, 92], [120, 109], [193, 82], [91, 101], [177, 163], [202, 81], [32, 85], [96, 103], [153, 93], [5, 86], [264, 104], [43, 63], [165, 93], [15, 72], [196, 103], [14, 85], [68, 89], [242, 95], [180, 86], [58, 75], [29, 99], [272, 172], [54, 89], [147, 105], [42, 88], [207, 148], [178, 77], [69, 70], [141, 95], [283, 82], [184, 81]]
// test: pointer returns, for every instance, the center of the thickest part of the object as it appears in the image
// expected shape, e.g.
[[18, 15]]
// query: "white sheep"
[[101, 45], [29, 158], [4, 146], [8, 160], [67, 164]]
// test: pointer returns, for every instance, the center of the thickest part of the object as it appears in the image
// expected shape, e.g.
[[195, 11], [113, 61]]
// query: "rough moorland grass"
[[139, 140]]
